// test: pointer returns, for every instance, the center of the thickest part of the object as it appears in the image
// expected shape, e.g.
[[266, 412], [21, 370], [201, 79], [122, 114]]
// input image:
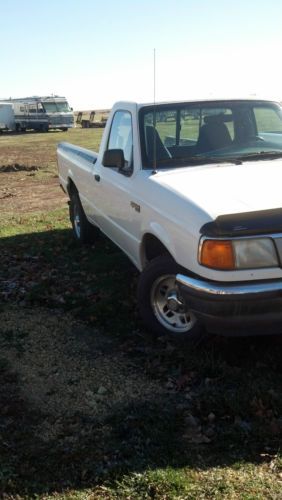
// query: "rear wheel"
[[19, 128], [43, 128], [161, 306], [83, 231]]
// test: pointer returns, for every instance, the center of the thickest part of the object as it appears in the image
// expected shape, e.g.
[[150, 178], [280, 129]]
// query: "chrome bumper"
[[250, 290], [251, 308]]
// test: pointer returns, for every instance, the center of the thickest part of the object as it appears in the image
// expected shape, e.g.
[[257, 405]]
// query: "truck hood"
[[227, 188]]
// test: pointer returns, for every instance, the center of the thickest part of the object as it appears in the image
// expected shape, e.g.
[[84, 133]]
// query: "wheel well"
[[71, 187], [152, 247]]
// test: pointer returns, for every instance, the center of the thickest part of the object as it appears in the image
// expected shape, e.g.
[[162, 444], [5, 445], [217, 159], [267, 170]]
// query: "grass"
[[39, 149], [210, 427], [86, 274]]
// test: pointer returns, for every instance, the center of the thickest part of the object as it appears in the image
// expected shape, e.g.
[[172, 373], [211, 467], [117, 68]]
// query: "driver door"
[[115, 188]]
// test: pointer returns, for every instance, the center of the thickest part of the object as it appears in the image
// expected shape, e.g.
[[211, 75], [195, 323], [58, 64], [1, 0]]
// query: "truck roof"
[[194, 101], [209, 99]]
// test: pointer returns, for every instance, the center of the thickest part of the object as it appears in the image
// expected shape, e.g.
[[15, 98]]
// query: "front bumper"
[[252, 308], [60, 125]]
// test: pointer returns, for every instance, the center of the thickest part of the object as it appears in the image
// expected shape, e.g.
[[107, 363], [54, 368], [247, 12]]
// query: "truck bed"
[[69, 155]]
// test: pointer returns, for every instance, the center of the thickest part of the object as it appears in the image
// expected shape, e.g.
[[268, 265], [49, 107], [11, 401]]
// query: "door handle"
[[97, 177]]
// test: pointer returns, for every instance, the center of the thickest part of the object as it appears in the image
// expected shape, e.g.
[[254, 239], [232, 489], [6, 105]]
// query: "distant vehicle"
[[96, 119], [7, 117], [42, 113]]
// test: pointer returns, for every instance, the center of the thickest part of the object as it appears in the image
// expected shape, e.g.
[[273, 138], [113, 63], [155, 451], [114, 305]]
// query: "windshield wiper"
[[195, 160], [205, 160], [261, 155]]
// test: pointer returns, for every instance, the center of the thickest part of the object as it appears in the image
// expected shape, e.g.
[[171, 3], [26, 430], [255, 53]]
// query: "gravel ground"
[[65, 368]]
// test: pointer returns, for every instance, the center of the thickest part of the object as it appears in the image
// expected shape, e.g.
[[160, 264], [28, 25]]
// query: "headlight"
[[238, 254]]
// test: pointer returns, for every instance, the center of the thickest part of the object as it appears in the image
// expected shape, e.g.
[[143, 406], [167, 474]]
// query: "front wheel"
[[83, 231], [161, 306]]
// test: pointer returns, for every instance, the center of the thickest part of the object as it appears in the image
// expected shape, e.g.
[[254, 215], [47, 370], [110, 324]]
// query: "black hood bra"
[[245, 224]]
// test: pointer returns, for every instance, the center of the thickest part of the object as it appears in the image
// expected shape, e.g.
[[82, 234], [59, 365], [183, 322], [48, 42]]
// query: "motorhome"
[[42, 113]]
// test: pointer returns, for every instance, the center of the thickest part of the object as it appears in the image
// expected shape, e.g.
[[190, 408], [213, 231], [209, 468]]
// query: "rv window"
[[63, 107], [40, 108], [50, 107], [56, 107], [32, 108]]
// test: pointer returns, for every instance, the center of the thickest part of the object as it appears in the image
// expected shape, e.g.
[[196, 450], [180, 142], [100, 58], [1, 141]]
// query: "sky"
[[98, 52]]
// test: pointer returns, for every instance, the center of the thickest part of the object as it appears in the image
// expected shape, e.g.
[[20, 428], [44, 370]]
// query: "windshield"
[[56, 107], [182, 134]]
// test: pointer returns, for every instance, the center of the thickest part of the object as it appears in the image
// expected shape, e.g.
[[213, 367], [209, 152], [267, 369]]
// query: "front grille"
[[60, 120]]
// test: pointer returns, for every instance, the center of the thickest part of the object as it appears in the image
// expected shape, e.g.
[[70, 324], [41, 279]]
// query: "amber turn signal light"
[[217, 254]]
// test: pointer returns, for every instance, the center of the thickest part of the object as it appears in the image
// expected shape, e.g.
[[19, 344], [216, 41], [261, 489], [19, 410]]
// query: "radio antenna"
[[154, 76], [154, 118]]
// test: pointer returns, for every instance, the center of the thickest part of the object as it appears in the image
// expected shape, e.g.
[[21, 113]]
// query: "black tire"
[[43, 128], [156, 284], [83, 231]]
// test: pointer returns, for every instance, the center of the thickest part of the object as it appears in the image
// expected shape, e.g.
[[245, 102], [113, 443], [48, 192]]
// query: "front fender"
[[162, 234]]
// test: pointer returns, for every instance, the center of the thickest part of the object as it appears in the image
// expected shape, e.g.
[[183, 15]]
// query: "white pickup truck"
[[192, 193]]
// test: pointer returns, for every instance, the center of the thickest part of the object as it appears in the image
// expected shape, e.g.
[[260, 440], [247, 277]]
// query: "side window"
[[268, 120], [165, 125], [190, 126], [40, 108], [121, 136], [32, 108]]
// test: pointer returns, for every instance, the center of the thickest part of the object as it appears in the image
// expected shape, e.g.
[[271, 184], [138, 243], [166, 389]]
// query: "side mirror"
[[113, 158]]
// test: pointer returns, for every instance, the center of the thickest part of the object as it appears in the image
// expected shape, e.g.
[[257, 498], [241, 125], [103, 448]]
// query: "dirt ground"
[[65, 368], [54, 374], [86, 397], [20, 192], [58, 368], [61, 378]]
